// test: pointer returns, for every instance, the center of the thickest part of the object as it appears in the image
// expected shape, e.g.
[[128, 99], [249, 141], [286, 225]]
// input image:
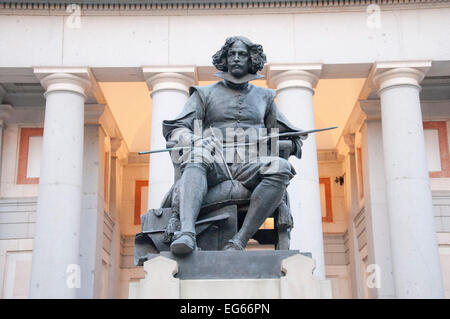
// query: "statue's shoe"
[[234, 244], [183, 243]]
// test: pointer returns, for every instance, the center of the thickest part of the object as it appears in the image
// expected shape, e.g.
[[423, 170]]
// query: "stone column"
[[118, 154], [294, 85], [375, 202], [353, 209], [170, 91], [93, 209], [55, 267], [417, 270]]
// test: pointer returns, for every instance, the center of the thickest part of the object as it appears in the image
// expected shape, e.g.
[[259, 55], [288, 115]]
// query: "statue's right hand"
[[206, 148], [186, 139], [203, 149], [210, 144]]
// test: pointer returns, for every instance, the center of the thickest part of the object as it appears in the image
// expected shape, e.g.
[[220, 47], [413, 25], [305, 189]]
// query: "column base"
[[230, 275]]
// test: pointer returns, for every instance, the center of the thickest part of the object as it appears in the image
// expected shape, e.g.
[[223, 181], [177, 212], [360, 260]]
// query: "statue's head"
[[239, 56]]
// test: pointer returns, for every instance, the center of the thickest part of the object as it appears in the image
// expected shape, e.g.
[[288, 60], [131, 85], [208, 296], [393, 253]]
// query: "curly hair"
[[256, 54]]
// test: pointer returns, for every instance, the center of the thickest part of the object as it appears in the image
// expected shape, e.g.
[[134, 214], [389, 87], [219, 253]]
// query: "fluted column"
[[56, 242], [170, 91], [416, 264], [294, 85]]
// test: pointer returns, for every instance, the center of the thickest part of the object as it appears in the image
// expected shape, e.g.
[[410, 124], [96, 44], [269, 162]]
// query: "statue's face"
[[238, 59]]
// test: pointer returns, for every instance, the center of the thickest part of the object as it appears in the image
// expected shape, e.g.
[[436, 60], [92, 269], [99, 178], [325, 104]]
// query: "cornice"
[[330, 155], [134, 159], [168, 7]]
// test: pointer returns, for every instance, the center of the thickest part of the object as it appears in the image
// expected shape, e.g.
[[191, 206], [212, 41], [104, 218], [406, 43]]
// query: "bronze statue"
[[203, 174]]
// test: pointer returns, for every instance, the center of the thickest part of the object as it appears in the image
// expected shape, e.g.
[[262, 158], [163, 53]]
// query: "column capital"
[[119, 149], [372, 109], [116, 143], [282, 76], [2, 93], [93, 113], [389, 74], [71, 79], [5, 113], [349, 140], [178, 78]]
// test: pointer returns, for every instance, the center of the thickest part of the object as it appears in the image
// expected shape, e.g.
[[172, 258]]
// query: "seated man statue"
[[232, 103]]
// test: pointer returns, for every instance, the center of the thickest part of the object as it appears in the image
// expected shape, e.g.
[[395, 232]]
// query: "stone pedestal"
[[232, 274]]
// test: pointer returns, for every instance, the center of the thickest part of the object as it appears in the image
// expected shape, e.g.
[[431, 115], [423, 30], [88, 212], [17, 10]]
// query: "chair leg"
[[283, 240]]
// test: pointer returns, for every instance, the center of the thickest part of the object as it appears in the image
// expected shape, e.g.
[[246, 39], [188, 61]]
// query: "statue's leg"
[[264, 200], [266, 197], [192, 190]]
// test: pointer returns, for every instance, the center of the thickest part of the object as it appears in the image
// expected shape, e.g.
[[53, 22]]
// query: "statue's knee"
[[195, 166], [284, 165], [197, 158], [280, 165], [278, 169]]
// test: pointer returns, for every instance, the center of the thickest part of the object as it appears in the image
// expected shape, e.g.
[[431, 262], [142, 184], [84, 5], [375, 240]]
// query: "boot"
[[184, 243], [193, 189]]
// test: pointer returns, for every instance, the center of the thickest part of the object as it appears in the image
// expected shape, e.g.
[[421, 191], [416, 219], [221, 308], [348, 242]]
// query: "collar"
[[229, 78]]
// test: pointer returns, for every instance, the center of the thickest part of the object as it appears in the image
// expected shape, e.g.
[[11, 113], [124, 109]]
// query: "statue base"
[[262, 274]]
